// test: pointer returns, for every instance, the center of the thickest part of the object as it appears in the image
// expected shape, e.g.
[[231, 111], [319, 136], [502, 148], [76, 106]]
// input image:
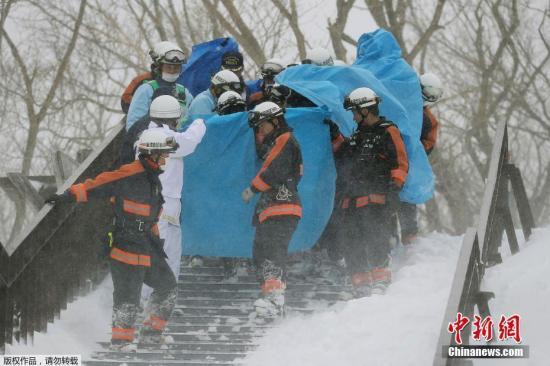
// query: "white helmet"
[[230, 102], [262, 112], [225, 77], [338, 62], [167, 53], [154, 140], [165, 107], [432, 88], [320, 57], [272, 67], [225, 80], [361, 98]]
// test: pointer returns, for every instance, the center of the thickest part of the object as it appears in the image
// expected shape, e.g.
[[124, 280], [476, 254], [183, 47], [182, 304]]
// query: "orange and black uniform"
[[279, 208], [136, 255], [128, 93], [372, 167], [428, 135], [407, 211]]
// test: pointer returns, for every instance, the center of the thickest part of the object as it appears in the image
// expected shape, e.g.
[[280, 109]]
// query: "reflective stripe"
[[364, 200], [130, 258], [280, 143], [136, 208], [155, 322], [361, 278], [399, 175], [280, 210], [123, 334], [301, 169], [259, 184], [381, 274], [272, 284], [79, 191], [337, 142]]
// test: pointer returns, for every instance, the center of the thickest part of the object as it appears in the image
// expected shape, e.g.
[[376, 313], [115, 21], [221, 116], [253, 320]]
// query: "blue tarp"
[[379, 67], [215, 220], [204, 62]]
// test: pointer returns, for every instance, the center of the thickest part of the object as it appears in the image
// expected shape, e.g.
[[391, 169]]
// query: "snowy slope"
[[85, 322], [399, 328], [402, 327], [380, 330]]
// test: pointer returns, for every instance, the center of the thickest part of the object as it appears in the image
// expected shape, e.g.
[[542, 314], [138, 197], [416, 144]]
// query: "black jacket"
[[370, 164], [279, 176], [135, 192]]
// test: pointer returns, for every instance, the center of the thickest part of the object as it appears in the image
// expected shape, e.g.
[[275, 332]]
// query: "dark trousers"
[[128, 280], [407, 218], [271, 244], [367, 231]]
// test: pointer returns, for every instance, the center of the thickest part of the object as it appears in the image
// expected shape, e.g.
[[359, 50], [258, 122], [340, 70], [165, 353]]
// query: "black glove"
[[56, 198], [333, 128]]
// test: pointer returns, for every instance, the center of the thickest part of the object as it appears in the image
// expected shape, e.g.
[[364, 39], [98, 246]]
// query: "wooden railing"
[[480, 247], [58, 256]]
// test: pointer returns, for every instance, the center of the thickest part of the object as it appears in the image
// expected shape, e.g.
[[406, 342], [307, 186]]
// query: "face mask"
[[170, 77]]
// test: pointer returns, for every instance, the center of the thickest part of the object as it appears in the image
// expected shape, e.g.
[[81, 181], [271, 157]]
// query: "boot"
[[123, 346], [271, 304], [381, 279], [123, 319], [362, 284]]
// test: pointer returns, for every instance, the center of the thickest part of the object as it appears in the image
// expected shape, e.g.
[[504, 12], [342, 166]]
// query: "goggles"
[[174, 57]]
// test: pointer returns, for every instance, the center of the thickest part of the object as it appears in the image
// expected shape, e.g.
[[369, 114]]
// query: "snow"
[[399, 328], [85, 322], [403, 326]]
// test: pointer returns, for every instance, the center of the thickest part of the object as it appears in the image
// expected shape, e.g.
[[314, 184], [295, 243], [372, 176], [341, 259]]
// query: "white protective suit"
[[172, 183]]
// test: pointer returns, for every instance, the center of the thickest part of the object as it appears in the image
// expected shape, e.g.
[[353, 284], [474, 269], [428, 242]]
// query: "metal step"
[[213, 324]]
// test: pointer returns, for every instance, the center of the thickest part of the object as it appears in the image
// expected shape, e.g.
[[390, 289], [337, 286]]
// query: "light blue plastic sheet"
[[215, 220], [204, 62], [393, 80]]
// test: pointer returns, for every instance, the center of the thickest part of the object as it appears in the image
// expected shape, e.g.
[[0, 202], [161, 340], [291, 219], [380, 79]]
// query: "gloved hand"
[[55, 198], [247, 194], [333, 128]]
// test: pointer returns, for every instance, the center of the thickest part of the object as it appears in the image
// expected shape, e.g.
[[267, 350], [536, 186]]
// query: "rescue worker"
[[170, 59], [431, 92], [204, 103], [230, 102], [278, 209], [164, 115], [263, 86], [136, 254], [128, 93], [319, 56], [372, 167]]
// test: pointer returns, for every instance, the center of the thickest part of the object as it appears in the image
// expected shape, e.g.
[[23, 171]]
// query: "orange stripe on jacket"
[[136, 208], [430, 139], [280, 210], [400, 173], [80, 191], [134, 84], [132, 259], [280, 143]]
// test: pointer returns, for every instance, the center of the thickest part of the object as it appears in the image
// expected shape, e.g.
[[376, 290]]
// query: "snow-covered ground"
[[396, 329], [402, 327]]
